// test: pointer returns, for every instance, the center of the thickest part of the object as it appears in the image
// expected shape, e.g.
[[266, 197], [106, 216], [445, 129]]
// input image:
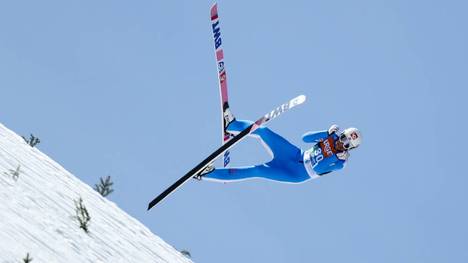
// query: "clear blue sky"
[[129, 89]]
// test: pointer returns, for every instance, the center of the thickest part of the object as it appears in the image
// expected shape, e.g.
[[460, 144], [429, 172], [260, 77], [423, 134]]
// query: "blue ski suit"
[[290, 164]]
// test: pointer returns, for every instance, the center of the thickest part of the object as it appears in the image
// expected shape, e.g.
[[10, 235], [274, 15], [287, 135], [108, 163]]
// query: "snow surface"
[[37, 213]]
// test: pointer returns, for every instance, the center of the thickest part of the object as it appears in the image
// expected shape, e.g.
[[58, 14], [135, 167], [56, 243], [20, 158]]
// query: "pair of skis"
[[229, 140]]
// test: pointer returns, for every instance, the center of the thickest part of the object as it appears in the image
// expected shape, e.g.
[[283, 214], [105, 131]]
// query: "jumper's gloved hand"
[[333, 129]]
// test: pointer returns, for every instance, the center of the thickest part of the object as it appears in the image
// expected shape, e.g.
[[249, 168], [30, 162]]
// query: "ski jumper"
[[290, 164]]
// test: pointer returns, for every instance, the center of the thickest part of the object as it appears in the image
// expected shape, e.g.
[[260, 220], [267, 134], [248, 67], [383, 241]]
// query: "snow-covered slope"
[[37, 215]]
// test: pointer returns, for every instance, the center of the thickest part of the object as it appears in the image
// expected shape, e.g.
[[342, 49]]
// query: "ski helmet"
[[351, 138]]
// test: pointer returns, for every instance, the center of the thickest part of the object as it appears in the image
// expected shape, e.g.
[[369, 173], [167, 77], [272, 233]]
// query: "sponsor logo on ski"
[[217, 34], [274, 113], [220, 66], [222, 76]]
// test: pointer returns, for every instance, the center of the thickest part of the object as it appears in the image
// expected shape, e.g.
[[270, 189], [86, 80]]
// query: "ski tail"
[[228, 145], [227, 116]]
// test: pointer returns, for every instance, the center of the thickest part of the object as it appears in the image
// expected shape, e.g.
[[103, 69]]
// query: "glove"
[[333, 129]]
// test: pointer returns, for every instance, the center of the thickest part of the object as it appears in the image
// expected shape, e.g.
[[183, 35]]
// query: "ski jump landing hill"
[[37, 210]]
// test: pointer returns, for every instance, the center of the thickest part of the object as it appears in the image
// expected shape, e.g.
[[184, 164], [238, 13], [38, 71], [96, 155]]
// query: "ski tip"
[[298, 100], [214, 11], [301, 98]]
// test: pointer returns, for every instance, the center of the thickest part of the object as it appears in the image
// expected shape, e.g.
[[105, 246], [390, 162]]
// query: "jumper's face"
[[339, 145]]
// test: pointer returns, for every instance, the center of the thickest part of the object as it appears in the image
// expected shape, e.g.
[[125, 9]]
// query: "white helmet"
[[351, 138]]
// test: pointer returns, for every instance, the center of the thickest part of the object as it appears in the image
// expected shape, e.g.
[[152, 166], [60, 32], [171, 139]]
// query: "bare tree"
[[27, 259], [186, 253], [32, 141], [14, 173], [82, 215], [104, 187]]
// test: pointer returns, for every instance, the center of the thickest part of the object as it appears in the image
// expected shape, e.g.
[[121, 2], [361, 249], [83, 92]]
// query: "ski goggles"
[[345, 141]]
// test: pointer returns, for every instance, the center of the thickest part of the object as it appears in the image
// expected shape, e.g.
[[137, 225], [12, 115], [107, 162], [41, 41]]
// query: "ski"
[[203, 164], [226, 116]]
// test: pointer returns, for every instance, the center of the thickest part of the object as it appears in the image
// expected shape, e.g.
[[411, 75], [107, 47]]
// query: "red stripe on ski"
[[219, 55], [214, 12]]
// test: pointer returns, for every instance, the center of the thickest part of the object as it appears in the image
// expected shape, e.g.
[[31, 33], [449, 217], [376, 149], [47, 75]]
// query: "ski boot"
[[227, 116], [210, 168]]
